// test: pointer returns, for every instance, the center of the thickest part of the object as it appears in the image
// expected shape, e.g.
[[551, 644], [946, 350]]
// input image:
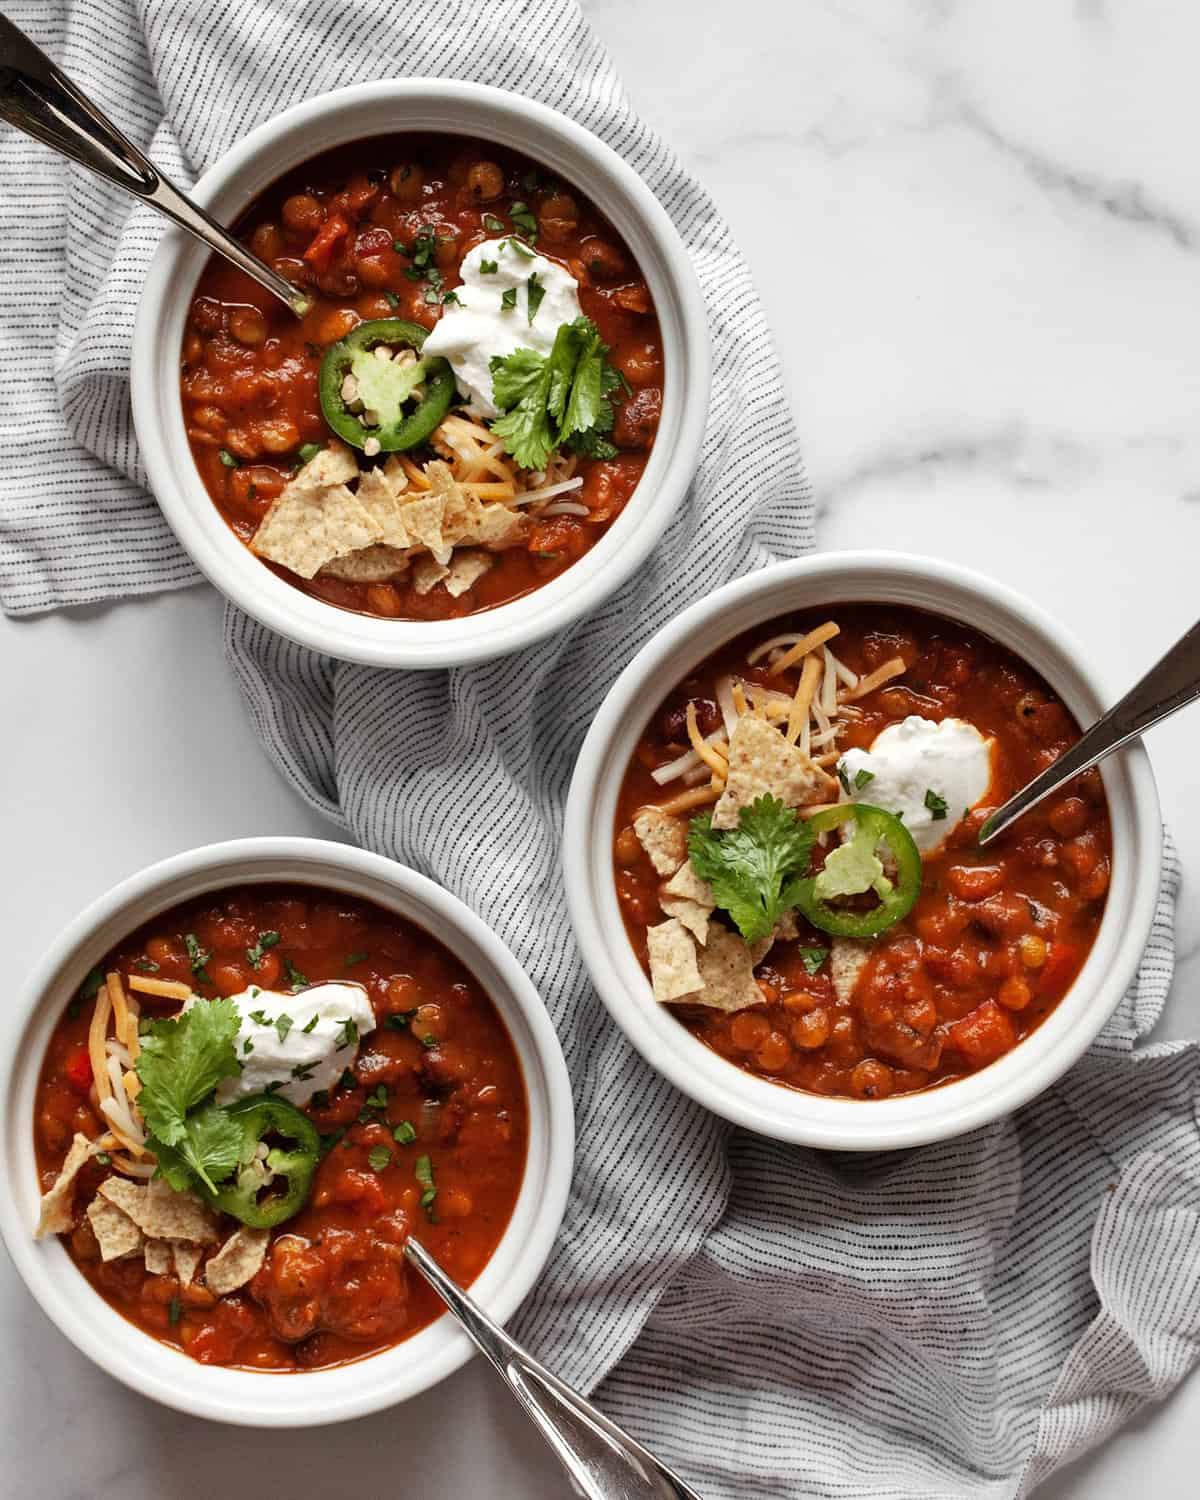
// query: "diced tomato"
[[320, 251], [78, 1071], [1059, 969], [984, 1035]]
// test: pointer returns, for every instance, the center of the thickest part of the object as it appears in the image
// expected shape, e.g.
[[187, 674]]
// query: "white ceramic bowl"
[[303, 132], [240, 1396], [788, 1114]]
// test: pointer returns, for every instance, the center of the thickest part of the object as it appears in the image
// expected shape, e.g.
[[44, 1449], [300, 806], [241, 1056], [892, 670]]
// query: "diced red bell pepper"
[[320, 252], [78, 1071]]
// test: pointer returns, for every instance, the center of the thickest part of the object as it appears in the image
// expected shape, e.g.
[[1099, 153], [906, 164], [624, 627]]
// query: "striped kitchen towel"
[[953, 1321]]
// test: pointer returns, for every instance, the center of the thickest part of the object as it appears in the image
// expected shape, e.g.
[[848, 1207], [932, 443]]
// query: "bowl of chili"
[[408, 209], [772, 869], [452, 1120]]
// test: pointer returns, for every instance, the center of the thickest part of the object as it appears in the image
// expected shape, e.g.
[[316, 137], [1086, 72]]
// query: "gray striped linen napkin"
[[952, 1321]]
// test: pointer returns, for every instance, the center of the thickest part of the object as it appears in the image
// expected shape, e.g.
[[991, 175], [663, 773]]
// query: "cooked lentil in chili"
[[996, 936], [425, 1129], [348, 226]]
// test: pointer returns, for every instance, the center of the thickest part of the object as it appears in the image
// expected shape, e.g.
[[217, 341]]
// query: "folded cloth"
[[953, 1321]]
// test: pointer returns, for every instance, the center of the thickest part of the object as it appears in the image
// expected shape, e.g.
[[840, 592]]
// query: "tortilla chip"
[[157, 1253], [673, 971], [727, 972], [847, 958], [237, 1260], [761, 760], [58, 1201], [160, 1212], [309, 524], [663, 836], [427, 574], [692, 914], [688, 885], [466, 569], [116, 1233], [423, 522], [371, 565], [393, 472], [381, 502], [187, 1258], [335, 464]]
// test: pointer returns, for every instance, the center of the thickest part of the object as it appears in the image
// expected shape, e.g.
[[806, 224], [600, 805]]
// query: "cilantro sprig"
[[754, 869], [558, 399]]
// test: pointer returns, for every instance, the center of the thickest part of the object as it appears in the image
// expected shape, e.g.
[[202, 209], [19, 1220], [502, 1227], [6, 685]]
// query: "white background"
[[975, 229]]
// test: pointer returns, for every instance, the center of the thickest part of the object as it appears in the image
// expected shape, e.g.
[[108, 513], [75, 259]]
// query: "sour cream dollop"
[[475, 329], [300, 1059], [918, 762]]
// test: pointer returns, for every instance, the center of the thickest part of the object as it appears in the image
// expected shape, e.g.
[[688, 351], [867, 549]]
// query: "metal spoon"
[[1166, 688], [604, 1462], [41, 100]]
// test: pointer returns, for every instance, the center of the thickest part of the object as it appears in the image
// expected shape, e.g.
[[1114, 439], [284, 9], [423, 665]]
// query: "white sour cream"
[[915, 763], [311, 1053], [474, 330]]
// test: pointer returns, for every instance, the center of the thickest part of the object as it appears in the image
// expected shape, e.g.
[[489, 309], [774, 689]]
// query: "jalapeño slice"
[[380, 411], [254, 1195], [854, 868]]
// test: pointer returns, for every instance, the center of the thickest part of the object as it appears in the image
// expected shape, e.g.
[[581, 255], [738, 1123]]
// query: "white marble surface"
[[975, 227]]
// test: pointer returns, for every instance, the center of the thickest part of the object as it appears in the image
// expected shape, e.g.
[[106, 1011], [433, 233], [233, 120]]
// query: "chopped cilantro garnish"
[[534, 293], [379, 1157], [391, 299], [174, 1311], [259, 1017], [347, 1033], [521, 247], [423, 1172], [320, 1100], [862, 778], [247, 1047], [147, 966], [844, 777], [378, 1097], [283, 1024], [525, 219], [197, 957], [450, 297], [938, 806], [399, 1019], [355, 958], [104, 1160], [265, 940], [310, 1024], [755, 868], [404, 1133], [303, 1071], [347, 1080], [305, 455], [508, 299], [228, 459], [492, 224], [295, 979], [813, 958], [488, 267]]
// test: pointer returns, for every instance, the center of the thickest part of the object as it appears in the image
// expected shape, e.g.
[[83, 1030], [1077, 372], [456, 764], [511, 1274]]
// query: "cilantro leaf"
[[557, 399], [508, 299], [525, 219], [534, 293], [379, 1157], [265, 940], [813, 958], [753, 869], [937, 805], [197, 957], [181, 1061]]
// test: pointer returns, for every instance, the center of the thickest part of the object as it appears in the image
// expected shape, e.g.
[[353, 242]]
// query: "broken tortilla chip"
[[727, 972], [466, 569], [237, 1260], [58, 1201], [427, 574], [692, 914], [334, 464], [160, 1212], [116, 1233], [847, 959], [381, 502], [663, 836], [687, 884], [673, 971], [308, 525], [371, 565], [187, 1259], [423, 522], [762, 760], [157, 1255]]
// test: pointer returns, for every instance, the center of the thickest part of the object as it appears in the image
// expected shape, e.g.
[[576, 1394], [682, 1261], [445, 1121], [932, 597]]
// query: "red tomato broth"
[[335, 1282], [250, 367], [997, 935]]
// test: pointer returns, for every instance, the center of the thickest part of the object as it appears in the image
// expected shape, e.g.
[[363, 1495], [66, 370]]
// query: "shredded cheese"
[[97, 1031], [166, 989], [876, 679], [797, 724], [686, 801], [804, 645], [716, 762]]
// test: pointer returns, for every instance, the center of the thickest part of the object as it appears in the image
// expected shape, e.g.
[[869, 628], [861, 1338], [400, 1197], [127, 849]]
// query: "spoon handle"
[[38, 98], [1166, 688], [604, 1462]]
